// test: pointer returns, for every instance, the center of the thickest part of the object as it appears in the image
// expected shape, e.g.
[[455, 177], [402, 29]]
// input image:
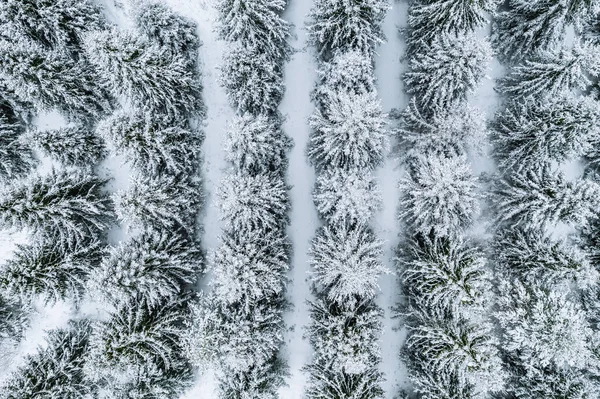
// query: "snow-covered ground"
[[300, 77], [388, 69]]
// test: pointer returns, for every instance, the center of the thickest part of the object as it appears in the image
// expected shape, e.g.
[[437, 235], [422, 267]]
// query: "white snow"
[[388, 70], [300, 77]]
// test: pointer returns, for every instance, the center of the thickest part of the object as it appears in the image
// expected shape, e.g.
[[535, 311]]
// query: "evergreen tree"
[[49, 79], [254, 202], [536, 258], [550, 73], [529, 26], [445, 274], [440, 131], [590, 32], [56, 24], [17, 158], [428, 19], [448, 69], [55, 371], [250, 266], [256, 144], [169, 29], [160, 202], [346, 197], [439, 194], [346, 263], [440, 384], [144, 73], [555, 128], [138, 345], [544, 328], [235, 339], [68, 203], [253, 83], [328, 384], [155, 266], [539, 195], [13, 322], [151, 143], [49, 270], [345, 338], [444, 344], [347, 71], [346, 25], [260, 382], [257, 24], [555, 383], [71, 146], [349, 133]]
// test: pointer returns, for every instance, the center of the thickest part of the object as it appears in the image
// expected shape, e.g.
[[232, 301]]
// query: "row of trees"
[[348, 142], [450, 351], [151, 72], [238, 326], [547, 285], [66, 210]]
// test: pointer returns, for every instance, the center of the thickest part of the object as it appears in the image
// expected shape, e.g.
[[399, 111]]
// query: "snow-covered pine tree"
[[536, 258], [349, 133], [144, 73], [151, 143], [347, 71], [436, 384], [252, 81], [428, 19], [14, 319], [55, 371], [551, 73], [539, 195], [155, 266], [169, 29], [16, 157], [58, 24], [444, 274], [346, 198], [139, 344], [440, 131], [71, 146], [235, 339], [68, 203], [447, 69], [439, 194], [250, 202], [590, 32], [346, 263], [259, 381], [446, 343], [256, 144], [341, 25], [47, 269], [50, 79], [554, 383], [544, 327], [160, 203], [250, 266], [257, 24], [556, 128], [529, 26], [345, 338]]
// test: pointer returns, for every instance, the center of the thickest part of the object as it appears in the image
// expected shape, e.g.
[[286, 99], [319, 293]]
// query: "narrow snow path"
[[300, 76], [388, 71]]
